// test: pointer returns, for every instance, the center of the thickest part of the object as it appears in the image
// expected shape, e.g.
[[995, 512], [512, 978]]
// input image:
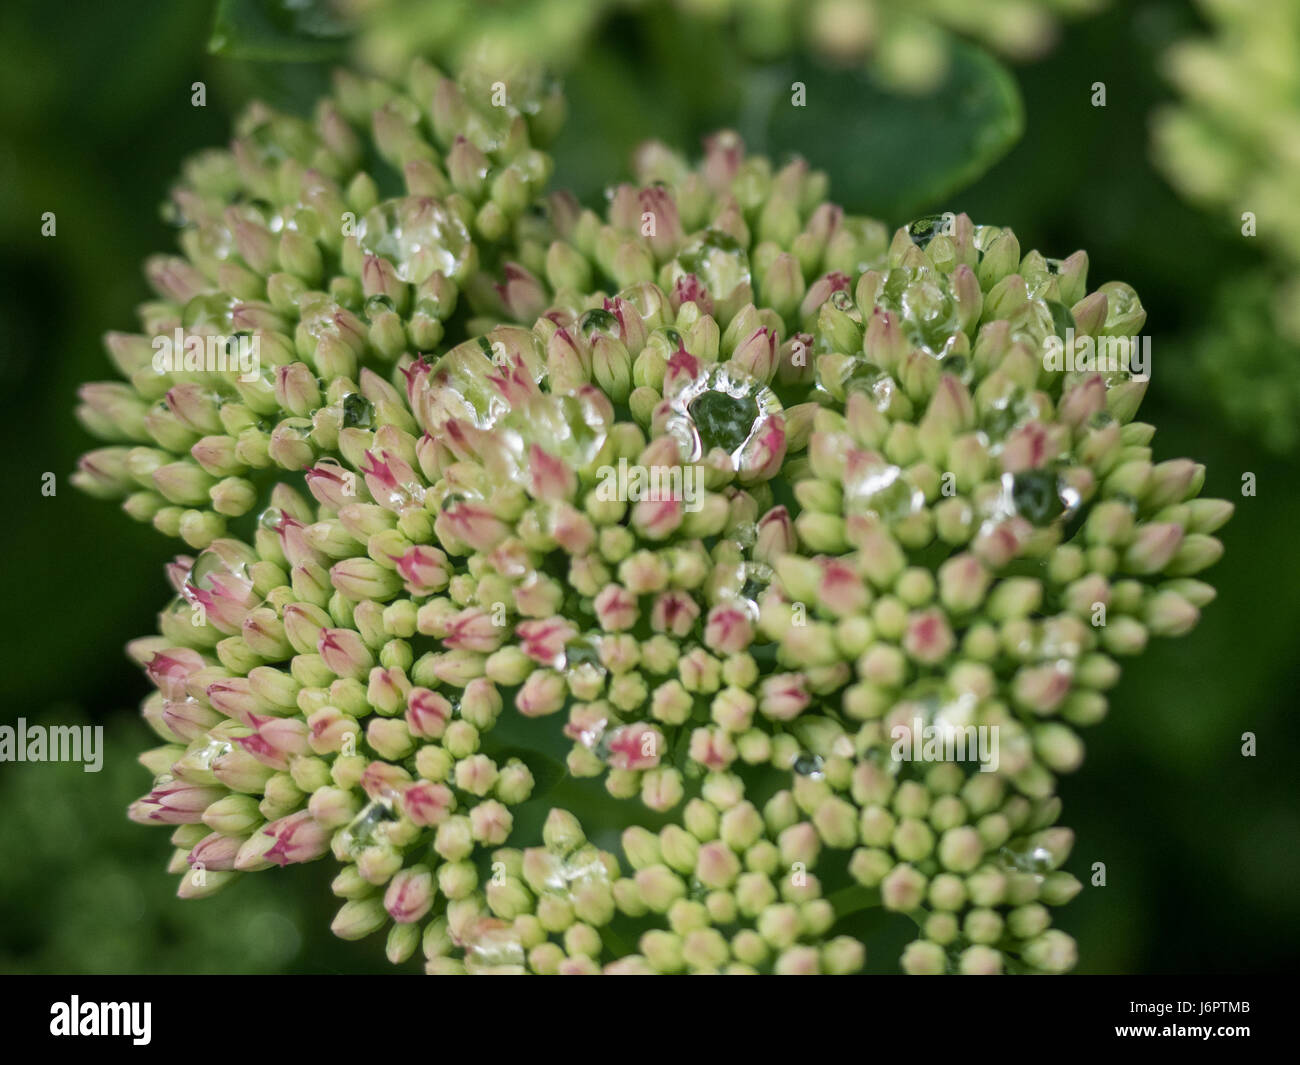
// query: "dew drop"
[[358, 412]]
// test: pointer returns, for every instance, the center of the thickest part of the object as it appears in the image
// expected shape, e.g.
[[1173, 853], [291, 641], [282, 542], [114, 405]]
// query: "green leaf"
[[891, 154], [283, 30]]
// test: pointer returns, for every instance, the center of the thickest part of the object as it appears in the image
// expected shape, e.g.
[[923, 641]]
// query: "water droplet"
[[564, 426], [598, 320], [203, 756], [582, 650], [208, 310], [1062, 318], [882, 489], [418, 235], [723, 420], [869, 379], [361, 833], [208, 563], [717, 259], [1027, 859], [959, 366], [925, 229], [923, 305], [1120, 301], [721, 408], [984, 236], [742, 583], [807, 764], [1036, 495], [842, 301], [358, 412], [492, 946], [377, 305]]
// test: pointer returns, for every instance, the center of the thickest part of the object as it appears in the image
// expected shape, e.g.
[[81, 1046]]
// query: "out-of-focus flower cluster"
[[1247, 363], [892, 525], [906, 42], [1232, 143]]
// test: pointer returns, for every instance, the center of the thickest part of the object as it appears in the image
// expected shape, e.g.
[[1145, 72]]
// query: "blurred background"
[[1200, 844]]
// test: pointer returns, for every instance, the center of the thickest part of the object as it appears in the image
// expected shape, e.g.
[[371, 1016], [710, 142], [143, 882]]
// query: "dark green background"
[[1200, 843]]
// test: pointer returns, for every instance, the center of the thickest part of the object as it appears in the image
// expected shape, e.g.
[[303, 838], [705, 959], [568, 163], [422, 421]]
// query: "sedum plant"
[[290, 237], [1231, 144], [545, 718], [907, 43], [1233, 141]]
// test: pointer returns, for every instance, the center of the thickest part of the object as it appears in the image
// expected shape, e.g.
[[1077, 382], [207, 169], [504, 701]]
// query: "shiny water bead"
[[418, 235]]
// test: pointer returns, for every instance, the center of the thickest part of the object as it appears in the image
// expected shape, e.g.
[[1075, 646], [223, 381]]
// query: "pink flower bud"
[[331, 484], [616, 608], [427, 803], [427, 713], [391, 481], [473, 629], [473, 524], [170, 669], [544, 692], [690, 289], [550, 478], [544, 641], [424, 569], [728, 630], [344, 653], [756, 354], [180, 803], [928, 638], [637, 746], [783, 697], [674, 612], [216, 852], [409, 895], [188, 718], [298, 838]]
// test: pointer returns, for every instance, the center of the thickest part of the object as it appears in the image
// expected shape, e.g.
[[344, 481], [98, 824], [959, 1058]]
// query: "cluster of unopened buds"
[[1228, 143], [907, 44], [419, 630]]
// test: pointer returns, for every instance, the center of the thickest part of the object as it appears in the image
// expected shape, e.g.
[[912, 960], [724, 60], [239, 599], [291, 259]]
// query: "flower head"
[[832, 632]]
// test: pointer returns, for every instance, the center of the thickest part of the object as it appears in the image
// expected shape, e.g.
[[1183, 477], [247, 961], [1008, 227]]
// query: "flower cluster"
[[907, 42], [336, 244], [549, 727], [1232, 144], [1231, 141]]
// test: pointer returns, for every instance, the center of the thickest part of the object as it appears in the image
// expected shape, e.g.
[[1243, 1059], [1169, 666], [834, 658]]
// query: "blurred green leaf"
[[888, 153], [281, 30]]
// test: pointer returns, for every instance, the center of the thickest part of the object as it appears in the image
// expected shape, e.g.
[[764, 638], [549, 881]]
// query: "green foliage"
[[278, 30], [893, 153], [80, 891]]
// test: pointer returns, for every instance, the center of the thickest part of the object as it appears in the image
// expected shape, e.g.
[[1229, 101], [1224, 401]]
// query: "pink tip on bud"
[[427, 803], [298, 838], [169, 670]]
